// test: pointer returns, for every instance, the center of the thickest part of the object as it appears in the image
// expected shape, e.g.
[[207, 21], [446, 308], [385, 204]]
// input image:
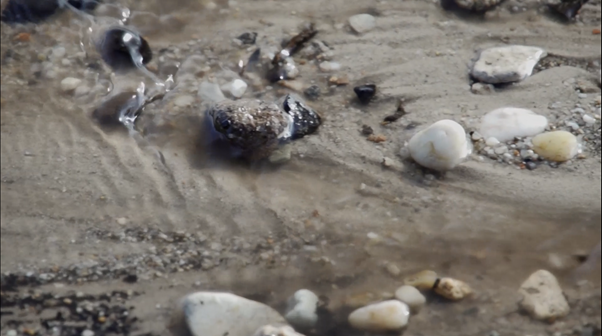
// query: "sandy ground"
[[73, 193]]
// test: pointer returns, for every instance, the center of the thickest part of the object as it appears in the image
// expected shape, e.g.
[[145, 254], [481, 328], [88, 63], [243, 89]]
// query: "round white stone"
[[69, 84], [301, 309], [384, 316], [236, 88], [218, 314], [556, 146], [362, 23], [543, 297], [272, 330], [506, 64], [411, 296], [441, 146], [506, 123]]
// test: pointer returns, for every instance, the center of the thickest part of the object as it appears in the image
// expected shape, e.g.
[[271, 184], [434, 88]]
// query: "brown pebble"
[[452, 289], [367, 130], [377, 138], [22, 37]]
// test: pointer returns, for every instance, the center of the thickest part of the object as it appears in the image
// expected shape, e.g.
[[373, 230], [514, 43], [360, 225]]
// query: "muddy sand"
[[90, 211]]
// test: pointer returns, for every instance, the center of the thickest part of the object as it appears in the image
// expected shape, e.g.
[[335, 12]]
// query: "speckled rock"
[[452, 289], [543, 297], [506, 64]]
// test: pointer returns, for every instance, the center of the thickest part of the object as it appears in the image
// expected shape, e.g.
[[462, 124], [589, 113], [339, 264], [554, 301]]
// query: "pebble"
[[301, 309], [236, 88], [482, 89], [362, 23], [86, 333], [69, 84], [218, 314], [452, 289], [491, 141], [312, 93], [271, 330], [412, 297], [386, 316], [122, 220], [330, 66], [11, 333], [441, 146], [557, 146], [542, 297], [424, 280], [58, 53], [506, 64], [365, 92], [506, 123], [477, 5], [184, 101], [589, 119], [210, 92]]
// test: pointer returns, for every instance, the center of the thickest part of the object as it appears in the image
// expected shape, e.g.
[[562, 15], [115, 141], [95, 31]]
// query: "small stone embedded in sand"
[[327, 66], [441, 146], [218, 314], [365, 92], [301, 309], [558, 146], [452, 289], [210, 92], [275, 330], [506, 123], [281, 154], [543, 297], [384, 316], [411, 296], [362, 23], [506, 64], [482, 89], [69, 84], [236, 88], [424, 280]]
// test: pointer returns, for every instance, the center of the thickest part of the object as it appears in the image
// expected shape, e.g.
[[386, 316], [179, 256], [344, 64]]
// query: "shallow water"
[[75, 192]]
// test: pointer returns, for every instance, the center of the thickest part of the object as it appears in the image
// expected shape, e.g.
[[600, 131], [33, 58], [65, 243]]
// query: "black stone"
[[568, 8], [130, 278], [248, 38], [531, 165], [365, 93], [305, 120], [115, 53]]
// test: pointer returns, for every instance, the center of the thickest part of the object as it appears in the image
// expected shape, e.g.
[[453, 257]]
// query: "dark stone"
[[531, 165], [115, 51], [130, 278], [305, 120], [248, 38], [312, 92], [367, 130], [567, 8], [365, 93]]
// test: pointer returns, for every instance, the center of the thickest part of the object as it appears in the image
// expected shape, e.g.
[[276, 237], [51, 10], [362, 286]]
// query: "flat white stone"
[[441, 146], [506, 123], [412, 297], [558, 146], [330, 66], [543, 297], [506, 64], [301, 309], [384, 316], [219, 314], [362, 23], [69, 84], [236, 88]]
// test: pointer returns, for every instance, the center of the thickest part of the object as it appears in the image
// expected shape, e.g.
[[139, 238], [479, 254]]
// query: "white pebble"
[[441, 146], [453, 289], [11, 333], [501, 150], [491, 141], [412, 297], [69, 84], [506, 64], [543, 297], [362, 23], [58, 53], [87, 333], [184, 101], [330, 66], [556, 146], [301, 309], [589, 119], [271, 330], [384, 316], [508, 122], [236, 88]]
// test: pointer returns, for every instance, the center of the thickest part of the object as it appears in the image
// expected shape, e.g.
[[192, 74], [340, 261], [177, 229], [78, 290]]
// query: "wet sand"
[[73, 193]]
